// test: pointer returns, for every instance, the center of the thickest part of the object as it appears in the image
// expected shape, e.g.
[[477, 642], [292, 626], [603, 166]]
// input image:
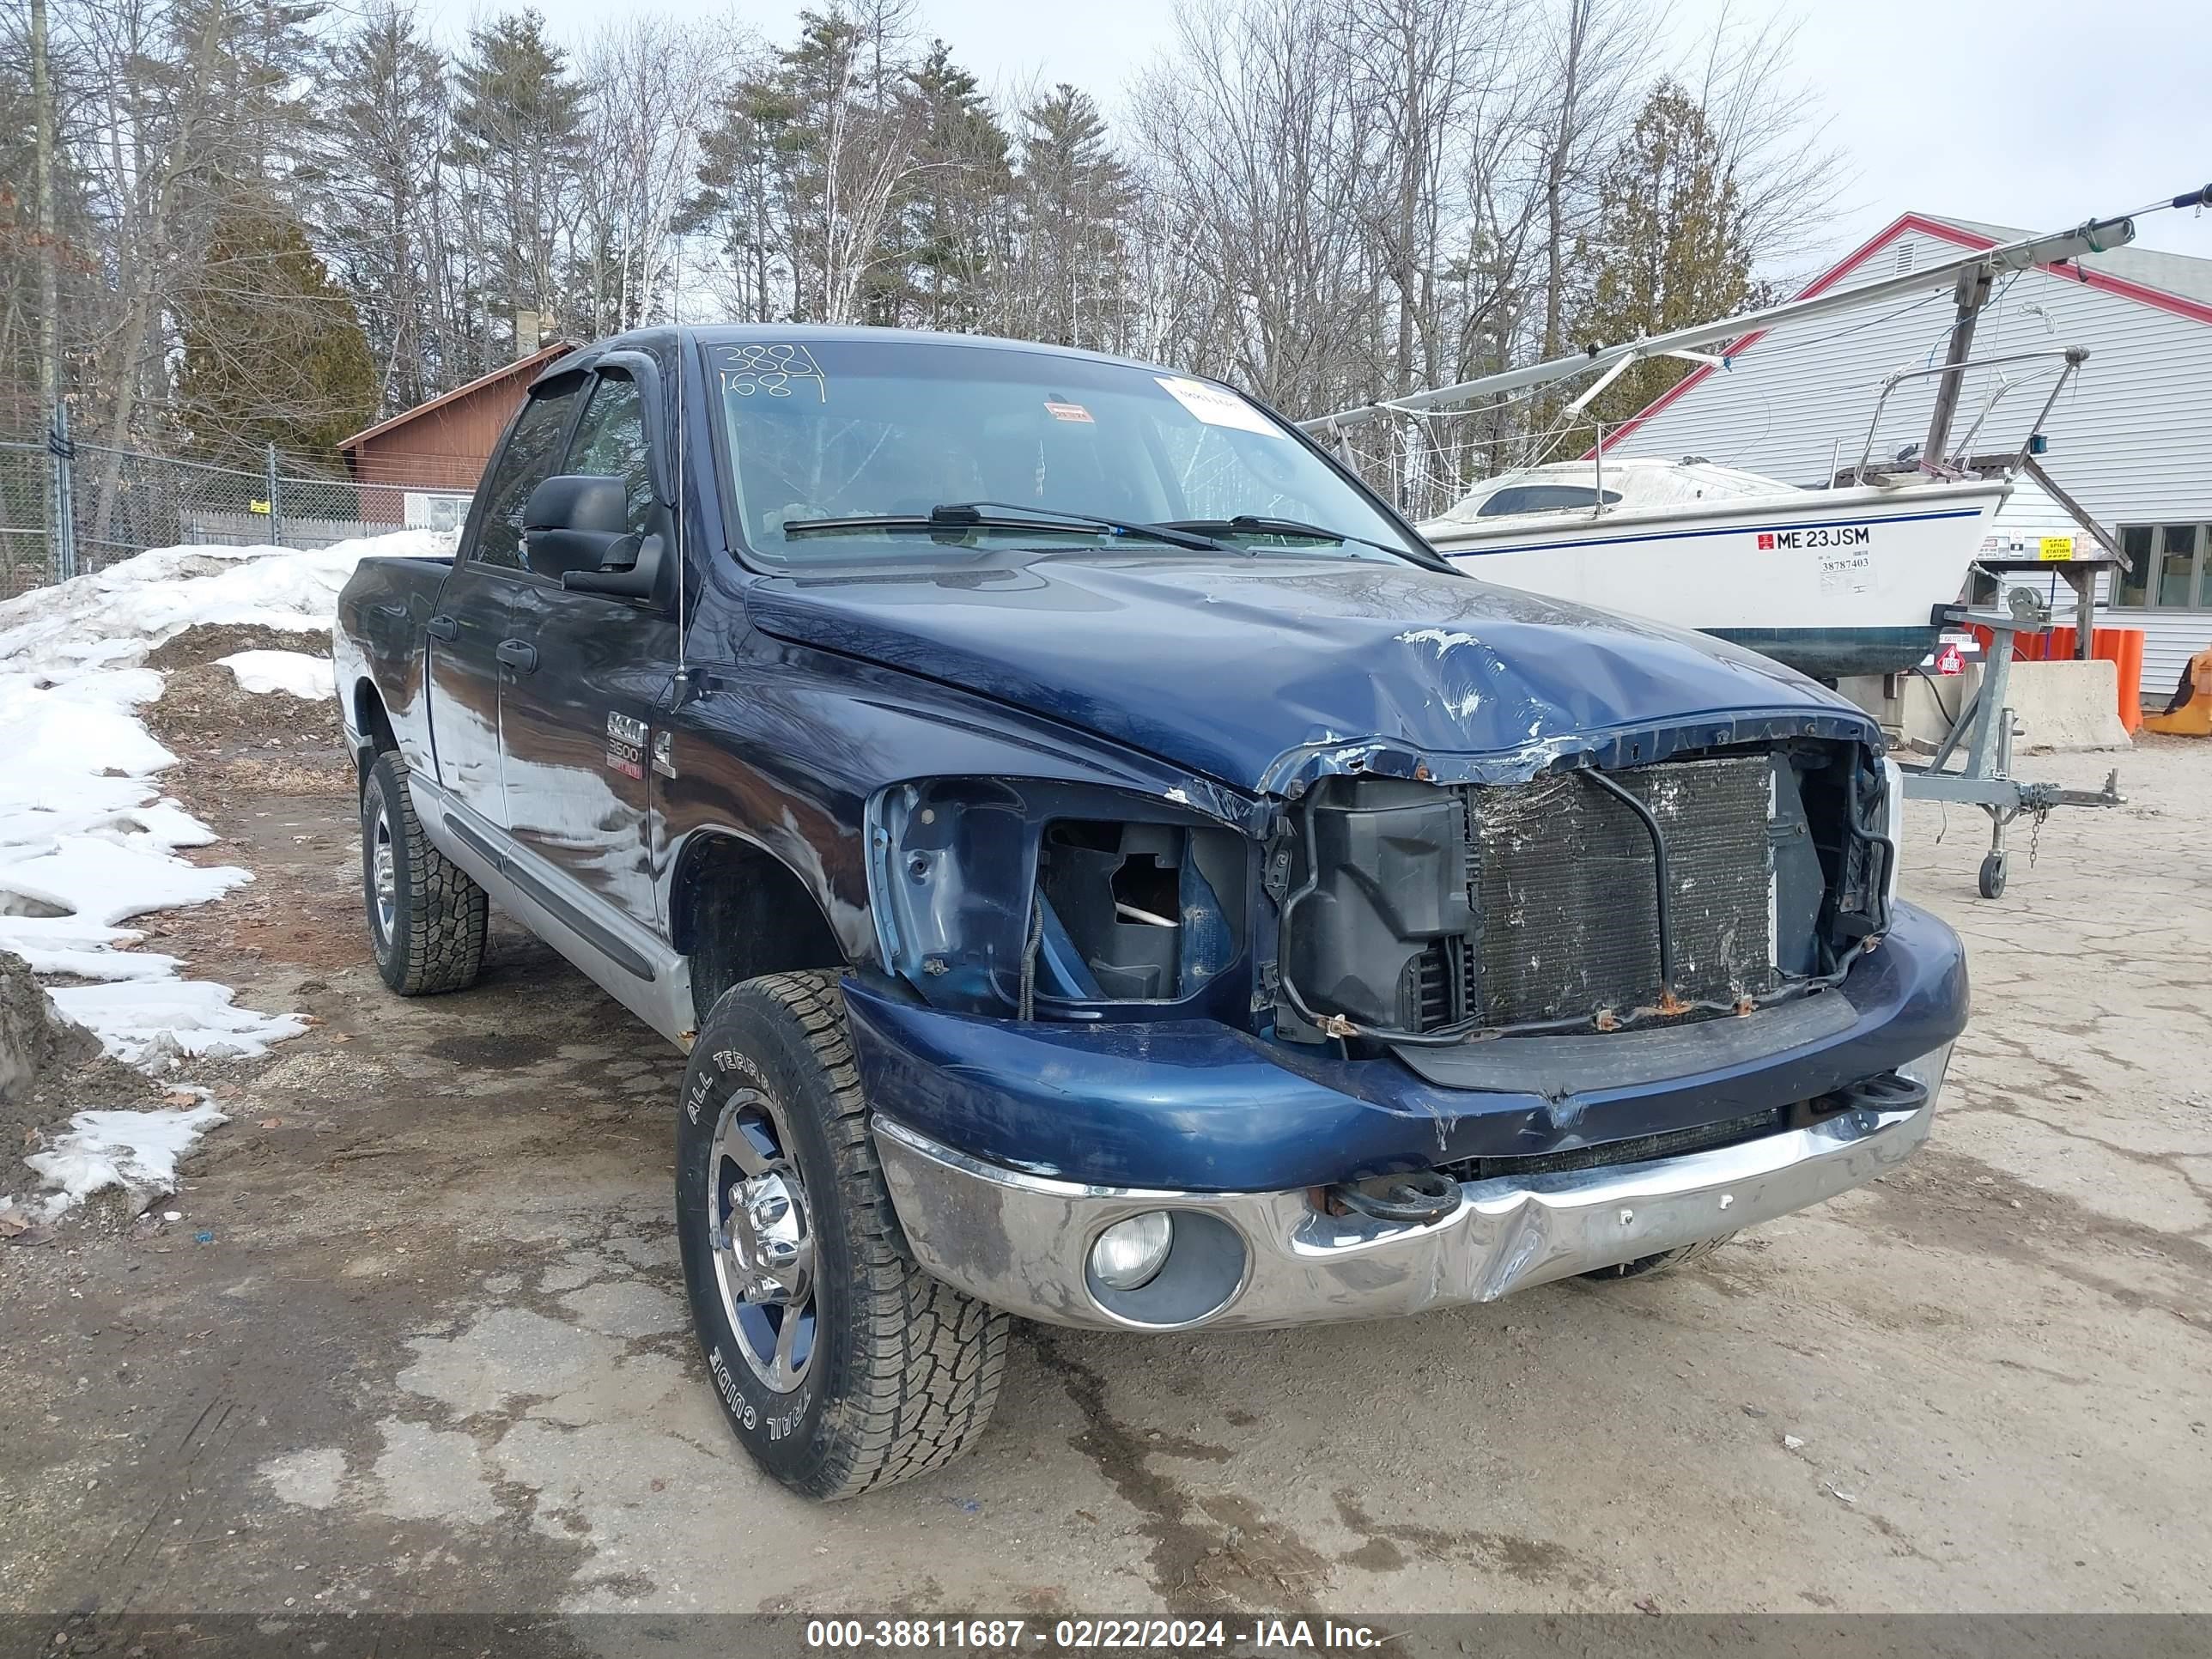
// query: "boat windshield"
[[844, 450]]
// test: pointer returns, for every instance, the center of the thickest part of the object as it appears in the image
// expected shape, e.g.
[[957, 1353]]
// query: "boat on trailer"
[[1833, 582], [1839, 581]]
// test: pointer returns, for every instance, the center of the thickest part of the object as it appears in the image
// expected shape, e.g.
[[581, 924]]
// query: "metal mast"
[[2096, 236]]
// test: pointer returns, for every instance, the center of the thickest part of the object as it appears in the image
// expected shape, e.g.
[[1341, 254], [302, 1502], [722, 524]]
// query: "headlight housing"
[[1034, 897]]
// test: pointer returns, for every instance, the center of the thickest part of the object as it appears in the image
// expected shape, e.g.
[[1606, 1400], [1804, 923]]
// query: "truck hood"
[[1249, 670]]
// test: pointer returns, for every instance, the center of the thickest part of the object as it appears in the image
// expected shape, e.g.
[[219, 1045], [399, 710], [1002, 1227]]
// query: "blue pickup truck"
[[1104, 868]]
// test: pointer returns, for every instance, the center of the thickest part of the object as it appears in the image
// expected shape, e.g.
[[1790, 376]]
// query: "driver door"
[[470, 622], [577, 725]]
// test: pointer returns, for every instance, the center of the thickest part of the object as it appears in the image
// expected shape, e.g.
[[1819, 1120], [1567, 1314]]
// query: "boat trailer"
[[1984, 728]]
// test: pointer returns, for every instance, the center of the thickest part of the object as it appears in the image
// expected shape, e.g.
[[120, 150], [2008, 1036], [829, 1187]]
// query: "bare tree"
[[1772, 144], [653, 86], [1260, 147]]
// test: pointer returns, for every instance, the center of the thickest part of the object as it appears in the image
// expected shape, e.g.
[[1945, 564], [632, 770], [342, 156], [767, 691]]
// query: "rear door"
[[470, 624], [577, 731]]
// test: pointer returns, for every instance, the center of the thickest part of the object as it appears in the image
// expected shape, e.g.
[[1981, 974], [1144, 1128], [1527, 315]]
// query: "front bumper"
[[1194, 1105], [1021, 1242]]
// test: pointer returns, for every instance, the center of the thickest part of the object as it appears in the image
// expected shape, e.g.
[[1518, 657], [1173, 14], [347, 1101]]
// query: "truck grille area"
[[1411, 909], [1564, 891]]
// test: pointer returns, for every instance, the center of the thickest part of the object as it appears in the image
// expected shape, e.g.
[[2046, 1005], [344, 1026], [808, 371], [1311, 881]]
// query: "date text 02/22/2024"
[[1084, 1635]]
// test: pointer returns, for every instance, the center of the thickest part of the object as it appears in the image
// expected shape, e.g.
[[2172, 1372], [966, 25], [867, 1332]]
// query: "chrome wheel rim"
[[761, 1233], [383, 877]]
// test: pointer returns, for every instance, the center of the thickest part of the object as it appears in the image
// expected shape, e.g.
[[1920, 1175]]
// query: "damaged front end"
[[1392, 903], [1718, 881], [1411, 1031], [1051, 901]]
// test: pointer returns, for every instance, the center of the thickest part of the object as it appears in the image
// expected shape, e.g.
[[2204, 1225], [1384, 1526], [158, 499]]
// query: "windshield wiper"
[[1007, 516], [1248, 524]]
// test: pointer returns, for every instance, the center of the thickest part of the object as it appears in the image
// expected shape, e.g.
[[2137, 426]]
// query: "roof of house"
[[2182, 274], [525, 367], [2171, 281]]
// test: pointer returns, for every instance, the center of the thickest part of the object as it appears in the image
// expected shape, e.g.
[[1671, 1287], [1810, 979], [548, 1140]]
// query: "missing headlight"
[[1136, 912]]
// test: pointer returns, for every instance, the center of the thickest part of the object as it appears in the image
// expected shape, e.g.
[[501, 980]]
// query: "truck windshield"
[[826, 436]]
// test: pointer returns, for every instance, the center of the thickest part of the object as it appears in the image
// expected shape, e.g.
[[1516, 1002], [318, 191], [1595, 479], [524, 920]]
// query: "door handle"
[[442, 627], [517, 655]]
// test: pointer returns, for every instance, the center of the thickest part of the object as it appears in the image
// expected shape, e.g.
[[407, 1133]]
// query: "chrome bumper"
[[1021, 1242]]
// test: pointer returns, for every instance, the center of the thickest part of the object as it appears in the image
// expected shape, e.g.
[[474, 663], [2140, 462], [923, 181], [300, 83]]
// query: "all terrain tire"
[[1664, 1261], [427, 916], [842, 1365]]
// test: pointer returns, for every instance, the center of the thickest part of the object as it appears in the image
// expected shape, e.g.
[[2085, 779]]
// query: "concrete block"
[[2068, 706]]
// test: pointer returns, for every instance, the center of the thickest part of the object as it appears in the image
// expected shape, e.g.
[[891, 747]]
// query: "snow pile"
[[114, 617], [87, 839], [295, 672], [135, 1151]]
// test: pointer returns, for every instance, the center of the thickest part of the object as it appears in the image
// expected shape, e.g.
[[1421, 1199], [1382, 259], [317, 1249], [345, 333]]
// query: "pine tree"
[[518, 140], [376, 175], [806, 169], [1075, 193], [273, 352], [961, 175], [1670, 250]]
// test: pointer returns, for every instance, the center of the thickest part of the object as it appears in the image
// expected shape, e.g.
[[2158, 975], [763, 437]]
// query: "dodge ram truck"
[[1106, 869]]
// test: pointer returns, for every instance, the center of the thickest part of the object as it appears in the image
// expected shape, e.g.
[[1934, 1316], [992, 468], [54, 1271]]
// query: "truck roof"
[[740, 333]]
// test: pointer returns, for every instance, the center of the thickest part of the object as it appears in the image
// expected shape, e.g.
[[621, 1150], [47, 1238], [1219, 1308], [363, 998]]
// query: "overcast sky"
[[2038, 113]]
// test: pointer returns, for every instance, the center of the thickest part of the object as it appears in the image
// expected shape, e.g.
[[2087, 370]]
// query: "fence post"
[[63, 519], [275, 512]]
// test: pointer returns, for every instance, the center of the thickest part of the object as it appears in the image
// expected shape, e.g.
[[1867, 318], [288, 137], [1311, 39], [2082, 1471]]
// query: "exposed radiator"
[[1565, 895]]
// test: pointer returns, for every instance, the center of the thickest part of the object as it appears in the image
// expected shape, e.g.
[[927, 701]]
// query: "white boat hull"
[[1832, 583]]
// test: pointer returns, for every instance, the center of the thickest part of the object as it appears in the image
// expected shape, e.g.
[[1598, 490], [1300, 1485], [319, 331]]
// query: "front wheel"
[[841, 1363]]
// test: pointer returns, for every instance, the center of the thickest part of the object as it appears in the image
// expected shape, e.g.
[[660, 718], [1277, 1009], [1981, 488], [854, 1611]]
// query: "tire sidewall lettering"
[[780, 1419]]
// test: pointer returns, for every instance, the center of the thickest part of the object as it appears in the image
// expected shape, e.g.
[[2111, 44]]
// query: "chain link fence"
[[67, 508]]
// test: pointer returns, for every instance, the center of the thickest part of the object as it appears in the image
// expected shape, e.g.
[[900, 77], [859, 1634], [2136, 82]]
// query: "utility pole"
[[42, 105], [50, 349]]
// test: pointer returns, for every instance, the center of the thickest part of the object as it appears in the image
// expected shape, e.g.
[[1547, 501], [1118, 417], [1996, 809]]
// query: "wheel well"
[[738, 913], [369, 719]]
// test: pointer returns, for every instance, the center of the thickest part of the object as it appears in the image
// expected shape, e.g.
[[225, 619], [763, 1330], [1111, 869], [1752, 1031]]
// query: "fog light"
[[1131, 1253]]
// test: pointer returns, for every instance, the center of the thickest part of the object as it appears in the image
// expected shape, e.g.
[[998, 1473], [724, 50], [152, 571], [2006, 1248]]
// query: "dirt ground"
[[417, 1342]]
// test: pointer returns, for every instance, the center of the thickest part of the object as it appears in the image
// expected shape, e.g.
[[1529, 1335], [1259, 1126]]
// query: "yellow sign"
[[262, 507], [2056, 547]]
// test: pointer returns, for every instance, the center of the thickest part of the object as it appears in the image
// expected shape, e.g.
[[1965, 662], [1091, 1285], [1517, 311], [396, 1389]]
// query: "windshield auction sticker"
[[1217, 407], [770, 368], [1060, 412]]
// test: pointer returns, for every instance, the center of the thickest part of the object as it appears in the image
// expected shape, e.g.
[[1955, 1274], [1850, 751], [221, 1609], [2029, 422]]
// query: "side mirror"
[[573, 522], [636, 581], [576, 527]]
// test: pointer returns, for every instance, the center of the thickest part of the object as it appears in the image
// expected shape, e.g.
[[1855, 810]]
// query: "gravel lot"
[[433, 1356]]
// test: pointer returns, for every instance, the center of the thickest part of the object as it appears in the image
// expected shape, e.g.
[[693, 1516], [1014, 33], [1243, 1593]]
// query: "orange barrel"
[[2124, 647]]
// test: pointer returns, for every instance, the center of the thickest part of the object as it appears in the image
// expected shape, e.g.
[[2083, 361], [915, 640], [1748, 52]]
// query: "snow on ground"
[[135, 1151], [293, 672], [86, 838]]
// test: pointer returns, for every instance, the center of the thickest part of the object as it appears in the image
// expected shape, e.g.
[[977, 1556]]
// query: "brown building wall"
[[442, 445]]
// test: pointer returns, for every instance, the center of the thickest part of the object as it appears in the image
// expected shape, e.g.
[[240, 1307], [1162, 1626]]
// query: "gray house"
[[2130, 440]]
